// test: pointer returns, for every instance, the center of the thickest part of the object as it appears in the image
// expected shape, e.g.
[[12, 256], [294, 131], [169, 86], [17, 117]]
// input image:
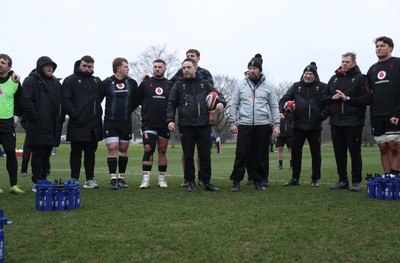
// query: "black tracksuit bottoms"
[[314, 140], [343, 139], [253, 142], [190, 137]]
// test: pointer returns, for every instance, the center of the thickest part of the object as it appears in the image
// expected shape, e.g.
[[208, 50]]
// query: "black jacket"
[[41, 100], [81, 102], [307, 97], [351, 112], [189, 96]]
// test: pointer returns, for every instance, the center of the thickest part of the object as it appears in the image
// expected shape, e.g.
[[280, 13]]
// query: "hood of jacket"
[[352, 71], [78, 71]]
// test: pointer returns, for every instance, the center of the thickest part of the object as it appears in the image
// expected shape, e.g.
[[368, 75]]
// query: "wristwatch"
[[347, 98]]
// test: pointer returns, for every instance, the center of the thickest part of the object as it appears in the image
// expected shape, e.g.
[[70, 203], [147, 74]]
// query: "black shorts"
[[121, 129], [160, 132], [281, 141], [381, 124]]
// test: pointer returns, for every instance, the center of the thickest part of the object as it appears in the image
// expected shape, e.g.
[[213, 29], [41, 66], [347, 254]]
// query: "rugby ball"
[[289, 105], [212, 100]]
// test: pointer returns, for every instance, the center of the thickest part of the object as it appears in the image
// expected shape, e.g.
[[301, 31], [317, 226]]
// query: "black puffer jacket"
[[354, 84], [41, 100], [81, 102], [307, 97], [189, 95]]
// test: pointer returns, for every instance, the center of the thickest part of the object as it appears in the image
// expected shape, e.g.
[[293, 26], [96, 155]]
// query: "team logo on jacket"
[[120, 85], [381, 74], [159, 91]]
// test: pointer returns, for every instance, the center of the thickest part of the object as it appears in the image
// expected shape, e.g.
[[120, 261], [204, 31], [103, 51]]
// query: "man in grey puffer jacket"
[[253, 112]]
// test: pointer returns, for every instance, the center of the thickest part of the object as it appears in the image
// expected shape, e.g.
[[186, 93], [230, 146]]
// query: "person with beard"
[[81, 102], [10, 91], [153, 95], [44, 116], [384, 79], [307, 122], [189, 96], [119, 90], [347, 94], [254, 110]]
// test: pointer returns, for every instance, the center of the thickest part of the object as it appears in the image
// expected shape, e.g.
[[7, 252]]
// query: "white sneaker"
[[144, 184], [162, 184], [34, 188], [91, 184], [1, 191]]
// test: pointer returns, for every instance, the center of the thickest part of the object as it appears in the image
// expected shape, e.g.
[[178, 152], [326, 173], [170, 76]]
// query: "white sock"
[[161, 176], [146, 176]]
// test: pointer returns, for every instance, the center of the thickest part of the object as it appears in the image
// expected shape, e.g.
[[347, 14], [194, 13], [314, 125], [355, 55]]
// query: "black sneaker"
[[339, 185], [292, 182], [259, 186], [191, 186], [210, 187], [200, 183], [280, 167], [114, 184], [184, 183], [121, 183], [236, 186], [250, 182], [265, 182]]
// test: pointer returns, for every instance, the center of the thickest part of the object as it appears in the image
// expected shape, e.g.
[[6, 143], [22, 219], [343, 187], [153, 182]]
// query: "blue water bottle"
[[59, 198], [39, 195], [71, 195], [370, 188], [77, 195], [48, 201], [3, 221], [389, 191], [378, 182], [396, 188]]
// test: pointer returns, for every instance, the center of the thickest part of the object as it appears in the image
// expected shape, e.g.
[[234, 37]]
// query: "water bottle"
[[370, 188], [70, 189], [396, 188], [389, 191], [59, 198], [48, 197], [3, 221], [77, 195], [378, 182]]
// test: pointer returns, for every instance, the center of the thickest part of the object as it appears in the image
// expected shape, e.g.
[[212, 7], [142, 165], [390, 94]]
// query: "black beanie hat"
[[313, 68], [256, 62]]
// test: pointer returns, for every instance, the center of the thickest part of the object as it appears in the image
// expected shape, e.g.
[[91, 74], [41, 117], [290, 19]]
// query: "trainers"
[[184, 183], [236, 186], [24, 174], [121, 183], [191, 186], [315, 183], [1, 191], [259, 186], [16, 190], [200, 183], [90, 184], [265, 182], [145, 184], [280, 167], [34, 188], [250, 182], [210, 187], [339, 185], [162, 184], [355, 187], [113, 184], [292, 182]]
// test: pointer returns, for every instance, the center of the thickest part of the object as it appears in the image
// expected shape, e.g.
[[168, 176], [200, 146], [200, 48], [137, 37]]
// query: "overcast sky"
[[288, 33]]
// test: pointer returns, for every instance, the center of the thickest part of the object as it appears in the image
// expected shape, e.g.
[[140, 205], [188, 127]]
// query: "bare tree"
[[226, 86], [282, 88]]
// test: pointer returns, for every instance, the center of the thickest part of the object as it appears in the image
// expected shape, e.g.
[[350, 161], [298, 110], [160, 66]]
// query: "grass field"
[[294, 224]]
